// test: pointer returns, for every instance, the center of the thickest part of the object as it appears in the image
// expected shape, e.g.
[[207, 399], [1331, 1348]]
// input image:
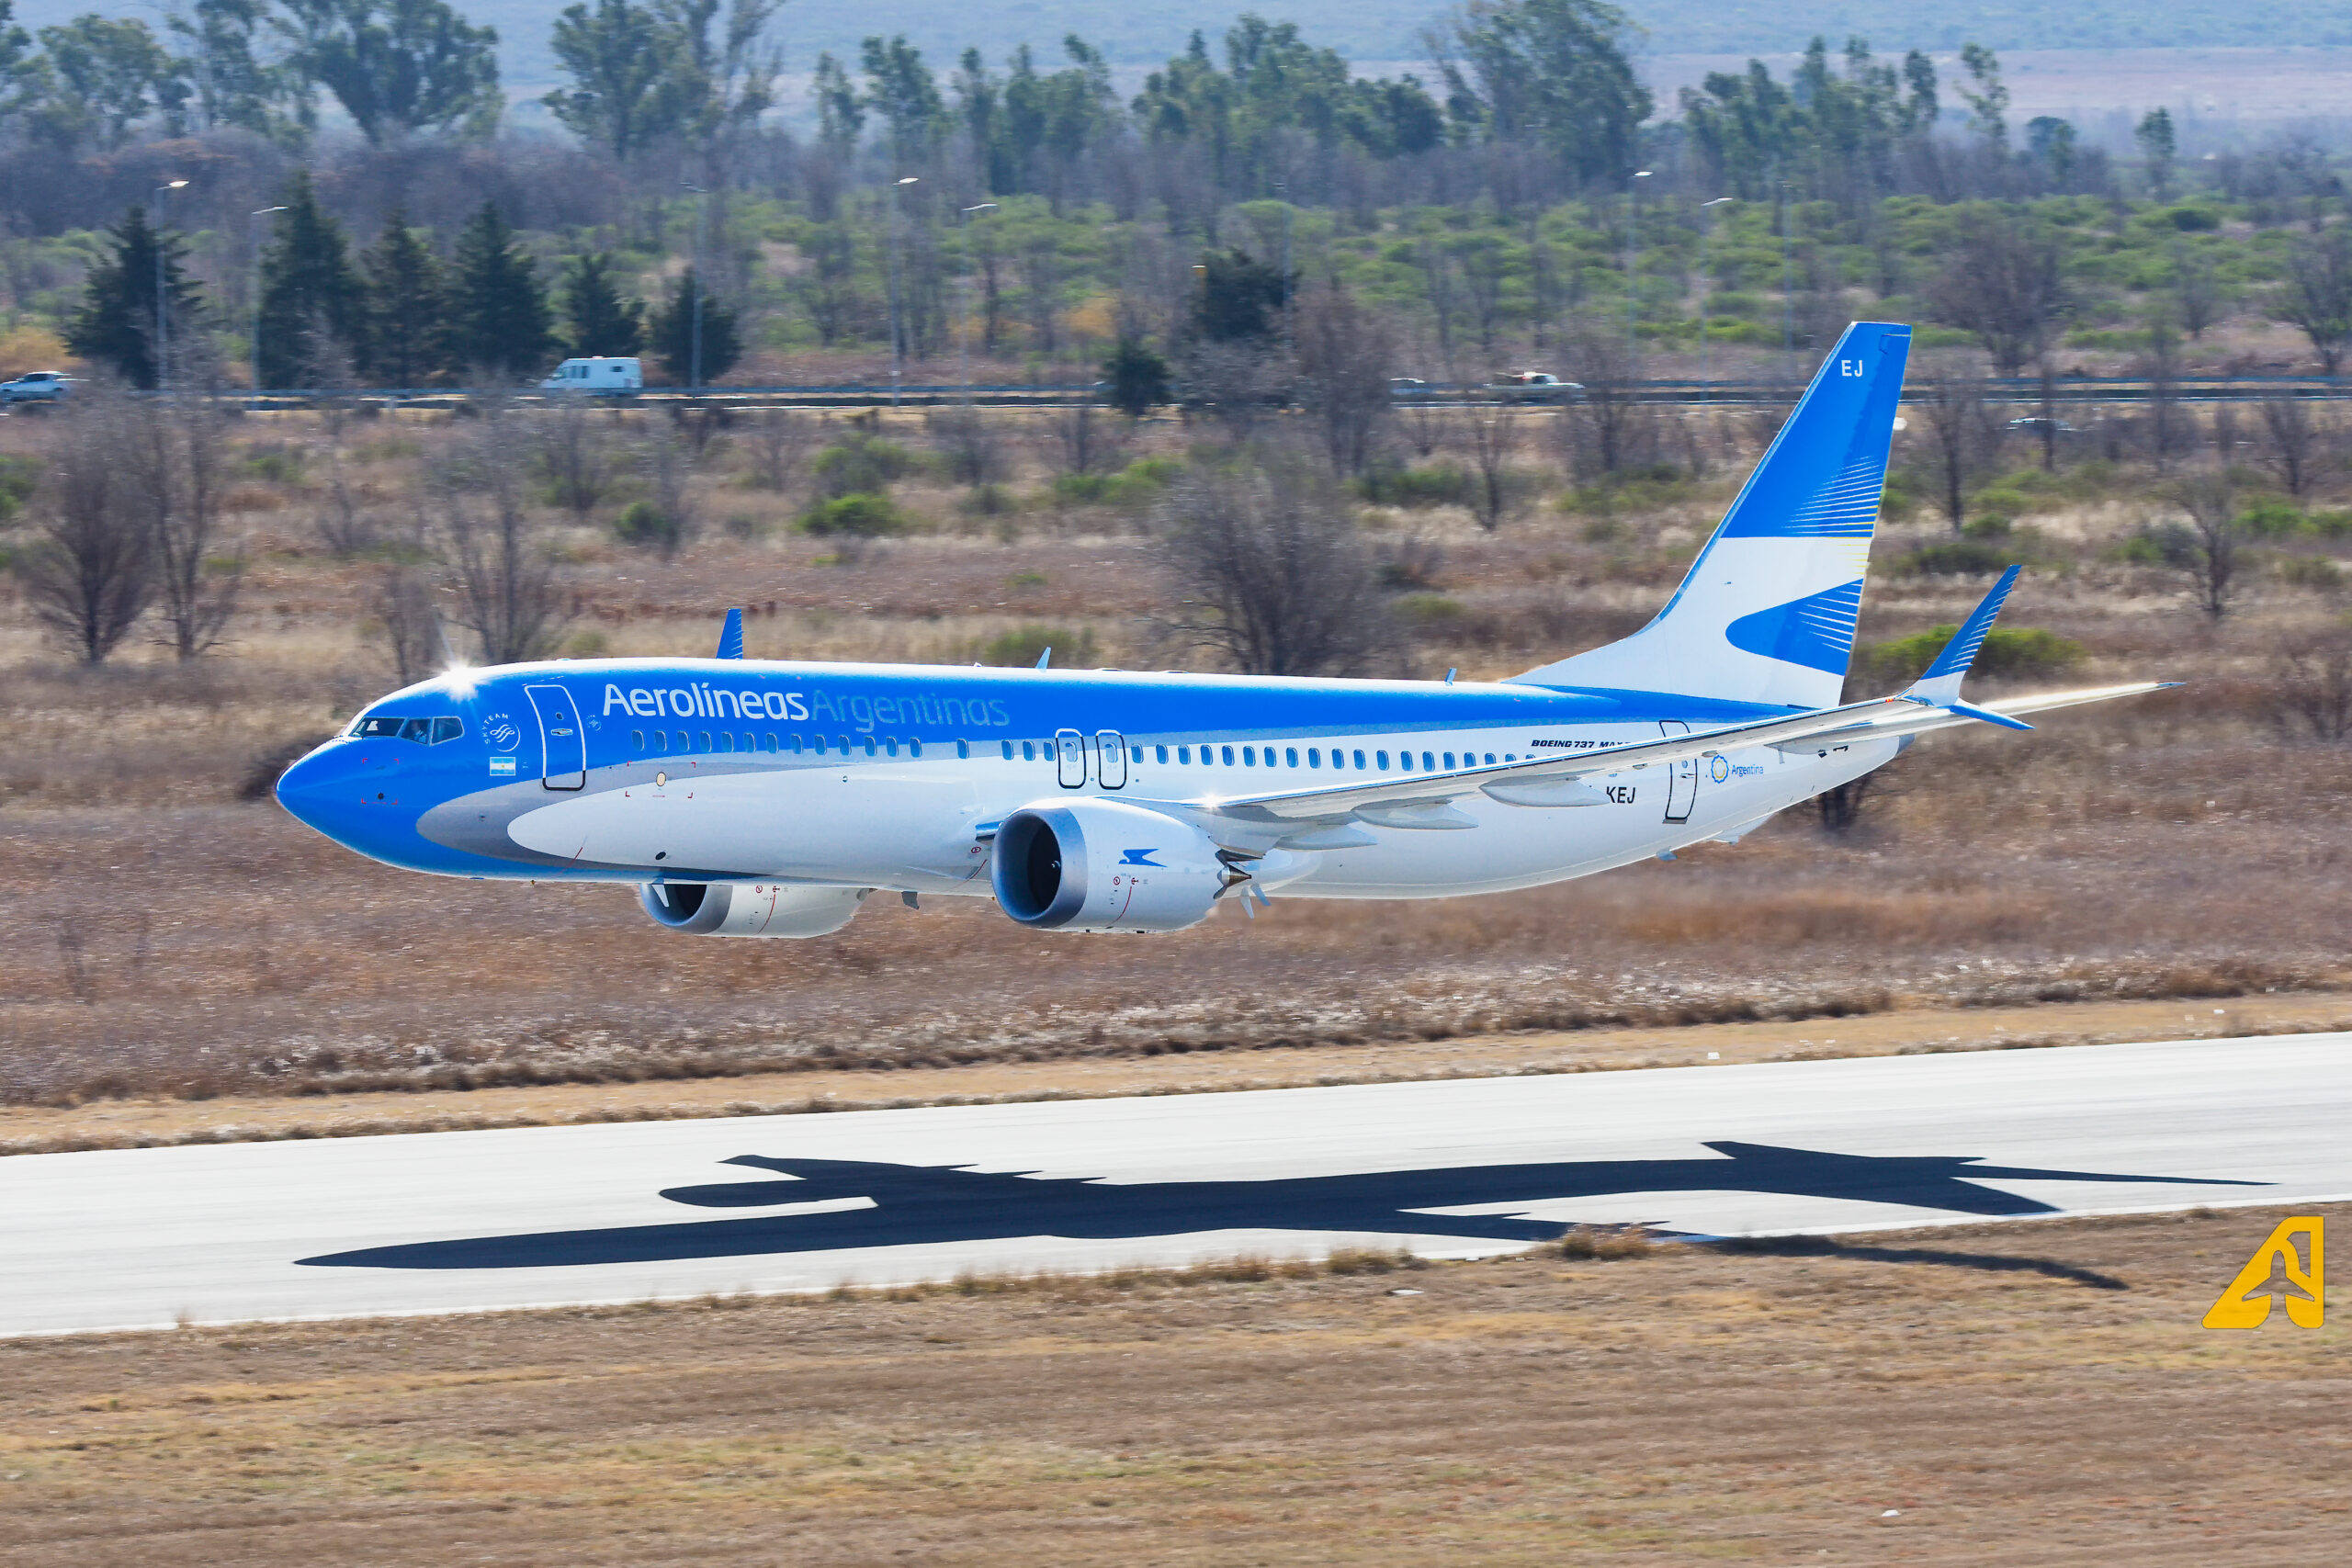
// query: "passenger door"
[[1070, 758], [1111, 748], [1682, 786], [562, 743]]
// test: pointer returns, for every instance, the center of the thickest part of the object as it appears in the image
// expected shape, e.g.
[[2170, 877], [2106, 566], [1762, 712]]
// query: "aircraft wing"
[[1882, 718]]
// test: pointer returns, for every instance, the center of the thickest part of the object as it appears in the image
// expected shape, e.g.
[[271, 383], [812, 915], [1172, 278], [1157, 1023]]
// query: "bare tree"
[[2196, 290], [2289, 442], [1238, 384], [2209, 500], [1604, 425], [1084, 440], [778, 441], [2317, 296], [499, 551], [667, 461], [178, 474], [1346, 354], [2006, 285], [409, 621], [575, 457], [1490, 435], [970, 444], [1960, 434], [90, 573], [2312, 672], [1272, 571], [2162, 371]]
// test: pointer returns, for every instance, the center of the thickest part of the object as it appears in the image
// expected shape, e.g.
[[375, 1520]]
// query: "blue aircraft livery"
[[754, 797]]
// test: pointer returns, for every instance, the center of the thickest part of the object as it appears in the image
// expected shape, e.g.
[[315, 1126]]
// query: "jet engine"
[[1090, 864], [750, 909]]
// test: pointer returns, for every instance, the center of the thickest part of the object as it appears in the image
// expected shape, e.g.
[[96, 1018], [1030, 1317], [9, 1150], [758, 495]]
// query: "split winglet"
[[1941, 684], [731, 635]]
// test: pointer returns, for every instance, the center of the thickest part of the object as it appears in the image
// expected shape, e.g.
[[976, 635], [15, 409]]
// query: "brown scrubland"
[[1980, 1395], [171, 933]]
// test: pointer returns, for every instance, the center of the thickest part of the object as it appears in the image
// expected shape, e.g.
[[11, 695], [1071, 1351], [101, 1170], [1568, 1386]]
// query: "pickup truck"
[[1534, 386]]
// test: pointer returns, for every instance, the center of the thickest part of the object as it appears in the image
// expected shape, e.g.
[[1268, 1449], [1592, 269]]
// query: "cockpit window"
[[423, 731]]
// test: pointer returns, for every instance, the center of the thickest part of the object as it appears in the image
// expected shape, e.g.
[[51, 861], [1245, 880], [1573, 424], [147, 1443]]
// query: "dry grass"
[[166, 939], [1985, 1394]]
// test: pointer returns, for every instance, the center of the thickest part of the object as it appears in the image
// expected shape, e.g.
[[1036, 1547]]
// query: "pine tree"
[[116, 323], [407, 339], [596, 319], [673, 333], [313, 309], [498, 310]]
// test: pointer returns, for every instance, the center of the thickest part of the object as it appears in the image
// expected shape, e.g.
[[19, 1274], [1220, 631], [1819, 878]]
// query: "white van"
[[596, 374]]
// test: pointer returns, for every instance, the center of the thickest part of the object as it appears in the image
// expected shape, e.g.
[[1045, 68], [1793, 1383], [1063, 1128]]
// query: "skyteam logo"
[[1139, 857]]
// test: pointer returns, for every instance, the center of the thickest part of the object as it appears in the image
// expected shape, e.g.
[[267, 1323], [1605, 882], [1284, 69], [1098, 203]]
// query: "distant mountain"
[[1386, 30]]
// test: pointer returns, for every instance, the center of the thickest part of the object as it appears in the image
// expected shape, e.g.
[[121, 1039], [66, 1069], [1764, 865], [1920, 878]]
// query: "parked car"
[[37, 387], [2035, 424], [596, 374], [1408, 387]]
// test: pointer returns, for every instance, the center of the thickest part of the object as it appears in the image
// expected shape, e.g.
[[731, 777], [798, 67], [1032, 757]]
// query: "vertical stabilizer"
[[1766, 614], [731, 635]]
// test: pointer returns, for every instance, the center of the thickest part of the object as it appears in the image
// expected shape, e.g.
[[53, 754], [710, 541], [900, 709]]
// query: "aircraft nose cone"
[[304, 788]]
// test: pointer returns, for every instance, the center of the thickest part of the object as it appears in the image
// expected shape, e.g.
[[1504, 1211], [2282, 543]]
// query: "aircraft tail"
[[1768, 610]]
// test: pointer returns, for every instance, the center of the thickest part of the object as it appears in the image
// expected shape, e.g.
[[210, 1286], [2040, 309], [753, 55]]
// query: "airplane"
[[928, 1205], [770, 797]]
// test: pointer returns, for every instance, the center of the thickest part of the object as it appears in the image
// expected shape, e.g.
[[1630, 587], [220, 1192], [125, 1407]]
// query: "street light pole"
[[163, 326], [694, 352], [1634, 272], [1706, 354], [964, 323], [262, 213], [897, 356]]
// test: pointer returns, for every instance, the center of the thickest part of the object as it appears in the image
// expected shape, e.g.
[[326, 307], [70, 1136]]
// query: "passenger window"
[[767, 743], [1449, 759], [1229, 756], [842, 742], [1314, 758], [890, 741], [1290, 756], [1006, 746], [1428, 764], [726, 741], [1382, 756], [1139, 751], [869, 746], [1161, 752], [1248, 756], [1184, 755], [963, 748], [636, 740], [1359, 761], [1028, 750], [706, 748]]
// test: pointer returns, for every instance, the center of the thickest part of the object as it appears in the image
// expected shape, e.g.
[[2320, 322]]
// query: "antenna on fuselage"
[[731, 635]]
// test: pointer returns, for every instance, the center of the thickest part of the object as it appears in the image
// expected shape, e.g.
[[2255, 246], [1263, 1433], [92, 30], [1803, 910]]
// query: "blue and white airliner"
[[754, 797]]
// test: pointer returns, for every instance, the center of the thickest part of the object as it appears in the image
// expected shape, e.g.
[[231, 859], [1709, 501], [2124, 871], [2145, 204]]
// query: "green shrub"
[[1442, 484], [2001, 501], [19, 475], [2008, 653], [1139, 484], [642, 522], [1019, 648], [1991, 526], [275, 465], [2331, 525], [2158, 544], [1958, 558], [1430, 609], [2274, 519], [862, 514], [862, 463], [2310, 571]]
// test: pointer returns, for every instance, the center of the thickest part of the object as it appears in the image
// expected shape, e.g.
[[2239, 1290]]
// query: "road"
[[453, 1221]]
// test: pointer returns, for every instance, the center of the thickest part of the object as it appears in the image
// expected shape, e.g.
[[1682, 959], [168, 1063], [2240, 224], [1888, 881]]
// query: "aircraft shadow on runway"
[[916, 1205]]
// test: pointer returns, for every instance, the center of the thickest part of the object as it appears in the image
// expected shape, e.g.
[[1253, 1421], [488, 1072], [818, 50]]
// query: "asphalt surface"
[[456, 1220]]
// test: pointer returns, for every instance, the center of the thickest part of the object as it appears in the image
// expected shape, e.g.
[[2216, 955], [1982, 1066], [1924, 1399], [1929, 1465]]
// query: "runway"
[[452, 1222]]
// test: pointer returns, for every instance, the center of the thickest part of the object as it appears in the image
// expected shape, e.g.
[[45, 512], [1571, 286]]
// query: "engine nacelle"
[[1090, 864], [750, 909]]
